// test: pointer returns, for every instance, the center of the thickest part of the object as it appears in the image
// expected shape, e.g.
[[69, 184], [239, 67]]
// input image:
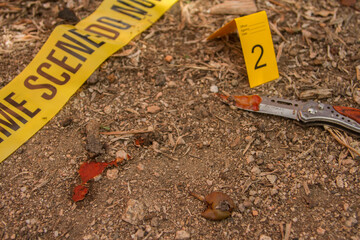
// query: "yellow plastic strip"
[[65, 62]]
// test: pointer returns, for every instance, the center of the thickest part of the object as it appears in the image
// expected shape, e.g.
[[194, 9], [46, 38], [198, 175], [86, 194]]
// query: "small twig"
[[165, 154], [305, 153], [276, 30], [187, 151], [221, 119], [191, 155], [341, 141], [128, 187], [19, 175], [287, 231], [178, 140], [148, 235], [281, 47], [129, 132], [281, 230], [42, 182], [306, 188], [268, 173], [247, 184], [248, 146], [197, 196]]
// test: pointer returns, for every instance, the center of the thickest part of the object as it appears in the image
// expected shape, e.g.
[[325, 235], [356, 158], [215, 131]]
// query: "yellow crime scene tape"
[[65, 62]]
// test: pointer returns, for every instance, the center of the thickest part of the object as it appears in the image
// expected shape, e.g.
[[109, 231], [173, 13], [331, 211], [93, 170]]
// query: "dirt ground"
[[287, 181]]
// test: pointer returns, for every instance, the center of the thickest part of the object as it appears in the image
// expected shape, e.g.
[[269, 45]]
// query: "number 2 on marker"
[[261, 54]]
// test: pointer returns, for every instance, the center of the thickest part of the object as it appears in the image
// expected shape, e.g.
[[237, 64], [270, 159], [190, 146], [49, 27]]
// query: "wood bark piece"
[[242, 7], [315, 93], [93, 144]]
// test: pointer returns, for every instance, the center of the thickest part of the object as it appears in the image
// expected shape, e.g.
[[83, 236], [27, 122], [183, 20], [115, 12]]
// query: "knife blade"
[[303, 111]]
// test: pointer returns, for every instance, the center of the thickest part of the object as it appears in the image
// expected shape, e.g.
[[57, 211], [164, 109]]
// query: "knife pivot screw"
[[312, 111], [321, 106]]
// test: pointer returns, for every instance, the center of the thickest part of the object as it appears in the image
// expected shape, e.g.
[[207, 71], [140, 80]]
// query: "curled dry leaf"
[[219, 204], [234, 7]]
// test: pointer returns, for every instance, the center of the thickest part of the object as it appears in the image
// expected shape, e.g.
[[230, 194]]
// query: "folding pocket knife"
[[308, 112]]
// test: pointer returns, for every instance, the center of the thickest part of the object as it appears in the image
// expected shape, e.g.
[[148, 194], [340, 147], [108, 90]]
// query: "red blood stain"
[[248, 102], [88, 171], [251, 102], [80, 192]]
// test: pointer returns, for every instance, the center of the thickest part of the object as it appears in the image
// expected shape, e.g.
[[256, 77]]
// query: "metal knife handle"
[[320, 112], [350, 112]]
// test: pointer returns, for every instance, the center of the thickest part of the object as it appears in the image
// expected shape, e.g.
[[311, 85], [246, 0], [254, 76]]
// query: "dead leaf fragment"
[[243, 7], [219, 204], [358, 72]]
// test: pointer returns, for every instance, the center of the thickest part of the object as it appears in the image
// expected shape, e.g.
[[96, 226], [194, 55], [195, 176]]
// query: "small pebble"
[[182, 234], [339, 182], [214, 89], [139, 234], [155, 222], [320, 231], [107, 109], [112, 174], [273, 191], [249, 159], [153, 109], [171, 84], [264, 237], [168, 58], [351, 222], [191, 82], [256, 170], [121, 154], [247, 204], [234, 83], [271, 178], [241, 207], [93, 79], [140, 167], [134, 212]]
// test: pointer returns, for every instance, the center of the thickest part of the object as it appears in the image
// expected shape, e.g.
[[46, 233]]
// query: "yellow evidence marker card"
[[67, 59], [257, 46]]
